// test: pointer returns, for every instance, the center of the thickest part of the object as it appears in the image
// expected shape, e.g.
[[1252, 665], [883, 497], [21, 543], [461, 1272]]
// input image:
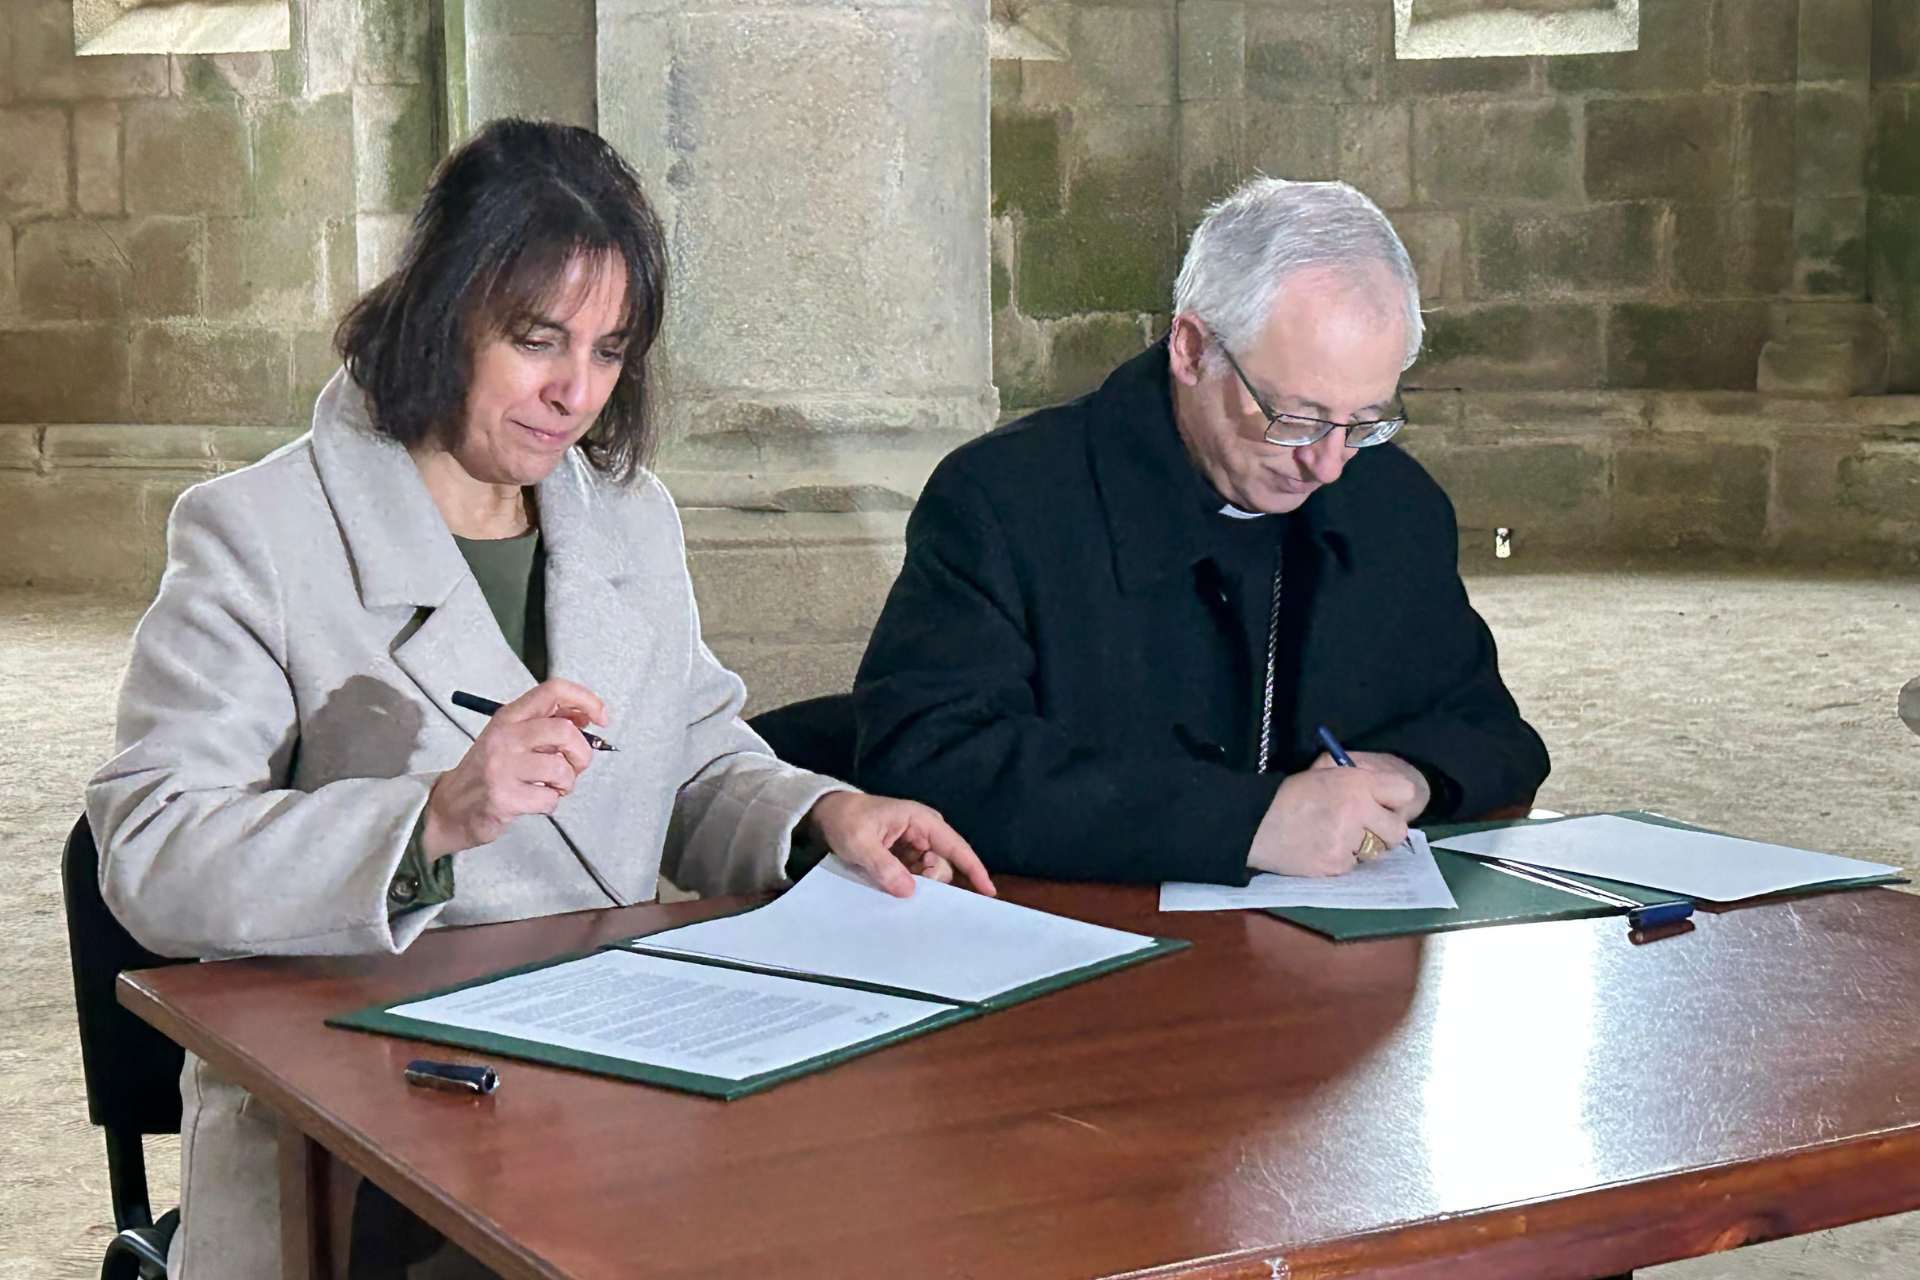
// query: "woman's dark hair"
[[502, 219]]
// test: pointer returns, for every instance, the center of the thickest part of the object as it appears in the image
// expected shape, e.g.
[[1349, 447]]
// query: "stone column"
[[520, 57], [1826, 339], [822, 172]]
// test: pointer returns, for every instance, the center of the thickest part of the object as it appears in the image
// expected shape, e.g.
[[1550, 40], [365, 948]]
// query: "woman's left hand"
[[888, 838]]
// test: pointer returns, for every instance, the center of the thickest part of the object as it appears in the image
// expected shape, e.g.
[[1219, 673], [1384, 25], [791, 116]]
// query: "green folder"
[[1487, 895], [383, 1021]]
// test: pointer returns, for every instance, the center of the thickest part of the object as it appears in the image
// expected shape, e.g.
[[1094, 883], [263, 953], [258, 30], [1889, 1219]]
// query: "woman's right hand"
[[526, 760]]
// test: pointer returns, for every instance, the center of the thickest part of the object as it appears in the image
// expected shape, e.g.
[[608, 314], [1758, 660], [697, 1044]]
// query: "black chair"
[[133, 1072], [817, 734]]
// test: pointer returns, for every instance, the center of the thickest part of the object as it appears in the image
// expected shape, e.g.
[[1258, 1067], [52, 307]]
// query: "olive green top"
[[512, 573]]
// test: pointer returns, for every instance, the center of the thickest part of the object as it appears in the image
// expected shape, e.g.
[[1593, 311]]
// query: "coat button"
[[405, 889]]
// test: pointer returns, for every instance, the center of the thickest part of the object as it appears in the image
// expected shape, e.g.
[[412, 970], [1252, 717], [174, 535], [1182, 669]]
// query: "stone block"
[[20, 443], [1830, 133], [73, 373], [1896, 42], [1297, 140], [1763, 143], [526, 17], [1733, 249], [1836, 39], [1376, 151], [1436, 243], [378, 240], [797, 590], [193, 374], [393, 146], [33, 161], [169, 267], [9, 290], [1020, 363], [1894, 283], [1755, 41], [1004, 83], [72, 270], [1894, 160], [1124, 56], [1882, 481], [1552, 494], [394, 40], [96, 158], [545, 77], [1212, 150], [1085, 349], [1691, 494], [234, 447], [1510, 346], [236, 80], [119, 544], [1830, 247], [45, 66], [185, 158], [1705, 345], [1447, 77], [1678, 147], [303, 158], [1672, 53], [1025, 163], [1329, 56], [1100, 259], [267, 270], [341, 267], [330, 36], [107, 446], [1465, 152], [1607, 248], [1213, 49], [314, 363]]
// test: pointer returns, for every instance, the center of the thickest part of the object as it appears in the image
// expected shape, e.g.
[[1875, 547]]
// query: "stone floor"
[[1758, 704]]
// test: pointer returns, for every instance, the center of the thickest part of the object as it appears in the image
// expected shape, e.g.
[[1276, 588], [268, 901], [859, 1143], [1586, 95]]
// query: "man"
[[1121, 620]]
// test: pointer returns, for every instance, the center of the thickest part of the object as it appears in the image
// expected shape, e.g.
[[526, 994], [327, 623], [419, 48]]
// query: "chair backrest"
[[817, 734], [133, 1072]]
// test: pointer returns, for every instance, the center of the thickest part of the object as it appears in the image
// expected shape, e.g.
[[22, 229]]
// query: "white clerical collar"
[[1238, 514]]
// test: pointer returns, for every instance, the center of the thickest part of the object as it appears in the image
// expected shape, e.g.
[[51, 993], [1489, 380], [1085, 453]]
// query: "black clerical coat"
[[1069, 666]]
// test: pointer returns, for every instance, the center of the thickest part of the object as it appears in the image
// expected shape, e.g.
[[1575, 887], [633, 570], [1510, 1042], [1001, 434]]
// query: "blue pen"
[[1334, 749]]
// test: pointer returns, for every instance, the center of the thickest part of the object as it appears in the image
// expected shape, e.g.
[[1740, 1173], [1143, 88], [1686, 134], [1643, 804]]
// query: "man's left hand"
[[894, 840], [1381, 762]]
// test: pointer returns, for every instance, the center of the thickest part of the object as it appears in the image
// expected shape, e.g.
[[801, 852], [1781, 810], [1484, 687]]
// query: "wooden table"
[[1546, 1100]]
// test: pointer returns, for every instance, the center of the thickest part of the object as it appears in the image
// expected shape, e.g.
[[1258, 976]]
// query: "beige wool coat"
[[287, 709]]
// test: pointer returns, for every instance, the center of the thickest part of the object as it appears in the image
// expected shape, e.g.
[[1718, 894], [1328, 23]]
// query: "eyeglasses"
[[1295, 430]]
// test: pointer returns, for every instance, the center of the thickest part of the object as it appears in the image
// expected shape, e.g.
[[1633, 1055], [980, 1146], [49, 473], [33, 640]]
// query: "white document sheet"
[[1404, 878], [667, 1013], [942, 941], [1694, 863]]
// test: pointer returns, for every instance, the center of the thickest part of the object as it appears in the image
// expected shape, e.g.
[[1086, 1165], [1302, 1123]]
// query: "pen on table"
[[487, 707], [1372, 846], [1640, 915], [451, 1076]]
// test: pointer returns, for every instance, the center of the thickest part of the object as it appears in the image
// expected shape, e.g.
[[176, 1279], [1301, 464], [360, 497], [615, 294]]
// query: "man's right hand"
[[526, 760], [1318, 819]]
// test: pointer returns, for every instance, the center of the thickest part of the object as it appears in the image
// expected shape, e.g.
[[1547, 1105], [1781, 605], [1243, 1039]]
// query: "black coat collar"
[[1156, 503]]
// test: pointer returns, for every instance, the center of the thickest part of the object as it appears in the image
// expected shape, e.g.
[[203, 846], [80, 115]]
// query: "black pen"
[[451, 1076], [487, 707]]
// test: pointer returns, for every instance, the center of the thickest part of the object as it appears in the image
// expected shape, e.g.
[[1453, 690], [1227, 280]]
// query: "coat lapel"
[[404, 557], [598, 637]]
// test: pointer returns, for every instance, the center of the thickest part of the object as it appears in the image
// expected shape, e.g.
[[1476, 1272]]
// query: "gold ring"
[[1370, 848]]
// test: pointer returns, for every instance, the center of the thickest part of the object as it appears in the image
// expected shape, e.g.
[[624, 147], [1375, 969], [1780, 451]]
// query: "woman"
[[469, 512]]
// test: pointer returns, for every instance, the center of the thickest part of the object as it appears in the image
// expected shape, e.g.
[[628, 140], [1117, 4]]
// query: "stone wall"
[[178, 235], [1631, 227], [1894, 182]]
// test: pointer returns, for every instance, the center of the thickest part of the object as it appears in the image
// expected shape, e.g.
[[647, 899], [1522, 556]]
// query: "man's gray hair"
[[1248, 244]]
